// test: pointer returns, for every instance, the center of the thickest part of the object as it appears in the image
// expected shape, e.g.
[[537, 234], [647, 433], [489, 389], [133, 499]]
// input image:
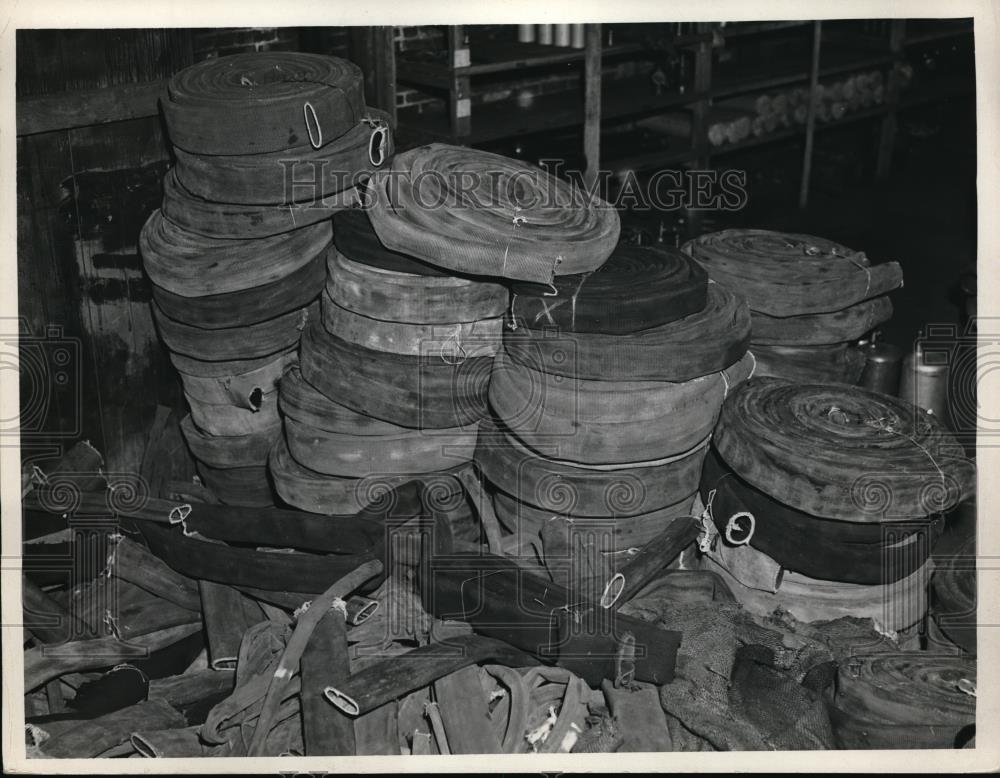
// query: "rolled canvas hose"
[[815, 329], [250, 306], [408, 451], [839, 363], [233, 383], [234, 451], [420, 392], [356, 240], [625, 490], [456, 341], [263, 101], [299, 400], [232, 343], [190, 265], [609, 422], [230, 420], [277, 177], [484, 214], [638, 288], [953, 595], [392, 295], [841, 452], [788, 274], [853, 552], [245, 485], [234, 221], [701, 343], [904, 700]]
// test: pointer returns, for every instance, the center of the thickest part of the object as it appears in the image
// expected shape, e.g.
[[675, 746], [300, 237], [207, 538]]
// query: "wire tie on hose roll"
[[514, 224], [708, 531], [114, 539], [307, 110], [868, 273], [887, 426], [513, 319], [732, 524], [460, 348], [572, 299]]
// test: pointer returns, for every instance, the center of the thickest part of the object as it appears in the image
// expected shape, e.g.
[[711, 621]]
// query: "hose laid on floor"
[[841, 452], [475, 212]]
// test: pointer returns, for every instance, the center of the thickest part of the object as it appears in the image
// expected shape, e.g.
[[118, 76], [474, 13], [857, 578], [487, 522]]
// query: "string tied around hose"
[[885, 424]]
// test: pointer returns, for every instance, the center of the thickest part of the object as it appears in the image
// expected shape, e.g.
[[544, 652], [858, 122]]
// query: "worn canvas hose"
[[233, 343], [420, 392], [190, 265], [953, 595], [245, 486], [264, 101], [237, 383], [290, 175], [299, 400], [356, 240], [904, 700], [787, 274], [760, 585], [861, 553], [702, 343], [815, 329], [839, 363], [234, 451], [310, 491], [247, 307], [626, 490], [638, 288], [609, 422], [447, 341], [484, 214], [234, 221], [359, 456], [391, 295], [224, 419], [842, 452]]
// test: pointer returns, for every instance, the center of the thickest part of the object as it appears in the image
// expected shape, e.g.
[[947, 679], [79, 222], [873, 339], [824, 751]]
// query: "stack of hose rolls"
[[393, 374], [811, 299], [604, 396], [828, 499], [953, 599], [267, 147]]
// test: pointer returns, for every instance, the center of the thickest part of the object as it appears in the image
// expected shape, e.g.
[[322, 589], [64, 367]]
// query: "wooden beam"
[[811, 116], [592, 103], [88, 107]]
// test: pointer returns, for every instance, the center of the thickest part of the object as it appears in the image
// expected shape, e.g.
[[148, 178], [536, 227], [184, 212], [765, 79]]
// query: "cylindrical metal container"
[[562, 34], [882, 367], [526, 33], [576, 36], [545, 34], [925, 385]]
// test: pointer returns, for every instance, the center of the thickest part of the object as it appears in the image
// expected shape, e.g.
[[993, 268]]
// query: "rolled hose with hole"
[[853, 552], [233, 383], [419, 392], [880, 699], [235, 221], [452, 341], [701, 343], [842, 452], [190, 265], [816, 329], [290, 175], [551, 485], [837, 363], [789, 274], [609, 422], [637, 289], [234, 343], [225, 419], [390, 295], [475, 212], [263, 101]]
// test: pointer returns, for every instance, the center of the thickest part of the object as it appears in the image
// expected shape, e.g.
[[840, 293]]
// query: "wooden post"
[[459, 92], [811, 116], [700, 112], [887, 133], [373, 50], [592, 103]]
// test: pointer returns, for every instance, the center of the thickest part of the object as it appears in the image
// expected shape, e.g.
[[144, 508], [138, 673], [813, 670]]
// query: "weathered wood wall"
[[84, 188]]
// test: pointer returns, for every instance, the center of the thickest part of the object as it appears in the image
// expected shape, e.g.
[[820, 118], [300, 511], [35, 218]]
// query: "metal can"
[[925, 385], [882, 367]]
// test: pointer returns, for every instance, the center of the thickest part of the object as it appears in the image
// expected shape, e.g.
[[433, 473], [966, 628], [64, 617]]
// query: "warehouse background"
[[897, 182]]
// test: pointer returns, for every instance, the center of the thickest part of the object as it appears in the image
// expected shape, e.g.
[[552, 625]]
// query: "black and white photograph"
[[412, 389]]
